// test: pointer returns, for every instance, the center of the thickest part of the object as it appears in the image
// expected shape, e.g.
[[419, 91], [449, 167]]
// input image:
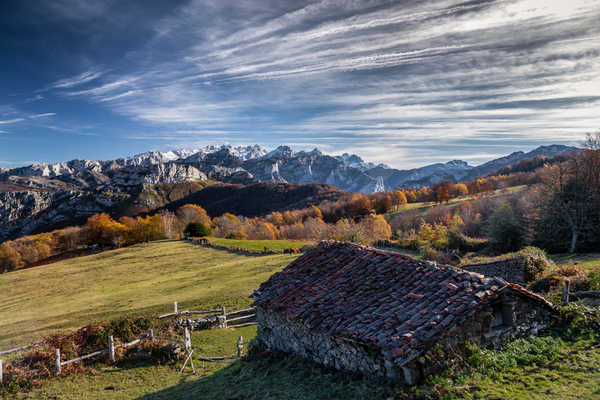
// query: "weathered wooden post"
[[0, 372], [111, 349], [57, 360], [222, 318], [151, 334], [240, 346], [175, 307], [566, 292], [187, 340]]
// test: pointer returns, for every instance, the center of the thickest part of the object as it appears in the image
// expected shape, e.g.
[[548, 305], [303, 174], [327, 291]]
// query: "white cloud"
[[80, 79], [11, 121], [44, 115], [366, 74]]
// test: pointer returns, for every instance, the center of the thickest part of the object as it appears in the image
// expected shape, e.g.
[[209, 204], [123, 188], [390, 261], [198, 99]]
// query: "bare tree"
[[571, 193]]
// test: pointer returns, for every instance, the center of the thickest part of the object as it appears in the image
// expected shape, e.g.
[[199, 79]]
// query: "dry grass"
[[138, 280]]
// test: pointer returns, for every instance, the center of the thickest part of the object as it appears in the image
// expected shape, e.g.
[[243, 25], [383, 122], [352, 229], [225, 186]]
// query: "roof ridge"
[[326, 244]]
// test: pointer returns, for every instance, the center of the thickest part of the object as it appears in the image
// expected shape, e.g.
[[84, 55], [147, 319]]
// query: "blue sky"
[[401, 82]]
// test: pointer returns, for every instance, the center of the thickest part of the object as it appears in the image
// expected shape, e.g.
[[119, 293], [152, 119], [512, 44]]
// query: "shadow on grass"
[[269, 376]]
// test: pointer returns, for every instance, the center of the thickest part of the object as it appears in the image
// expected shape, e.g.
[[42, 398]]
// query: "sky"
[[406, 83]]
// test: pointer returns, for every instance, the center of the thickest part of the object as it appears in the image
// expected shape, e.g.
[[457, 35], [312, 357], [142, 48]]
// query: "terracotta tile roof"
[[378, 298]]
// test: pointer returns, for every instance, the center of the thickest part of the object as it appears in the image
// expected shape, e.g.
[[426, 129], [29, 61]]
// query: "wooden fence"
[[234, 319], [110, 350]]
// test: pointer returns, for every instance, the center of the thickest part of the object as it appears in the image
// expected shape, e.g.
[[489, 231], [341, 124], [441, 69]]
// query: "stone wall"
[[510, 269], [491, 325], [244, 251], [494, 325], [277, 333]]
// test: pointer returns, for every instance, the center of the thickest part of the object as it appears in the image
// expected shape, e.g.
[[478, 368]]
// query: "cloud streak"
[[400, 75]]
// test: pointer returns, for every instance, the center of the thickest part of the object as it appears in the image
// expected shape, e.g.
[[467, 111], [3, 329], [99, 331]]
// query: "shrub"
[[197, 229], [505, 229], [536, 262], [543, 285], [521, 352], [575, 319], [594, 280], [431, 254], [237, 236]]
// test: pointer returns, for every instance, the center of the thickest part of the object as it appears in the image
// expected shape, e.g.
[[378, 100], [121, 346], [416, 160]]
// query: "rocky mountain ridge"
[[53, 195]]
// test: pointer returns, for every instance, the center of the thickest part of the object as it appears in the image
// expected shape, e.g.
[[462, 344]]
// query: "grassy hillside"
[[138, 280], [146, 279], [572, 375]]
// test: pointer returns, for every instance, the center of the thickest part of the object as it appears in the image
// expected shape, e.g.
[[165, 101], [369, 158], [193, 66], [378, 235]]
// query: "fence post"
[[566, 292], [224, 315], [0, 372], [175, 307], [240, 346], [187, 340], [111, 349], [151, 334], [57, 360]]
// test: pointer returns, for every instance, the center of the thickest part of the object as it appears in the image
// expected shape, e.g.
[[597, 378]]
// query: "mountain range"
[[42, 195]]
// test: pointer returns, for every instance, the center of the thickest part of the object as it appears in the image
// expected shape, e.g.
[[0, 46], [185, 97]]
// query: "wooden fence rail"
[[58, 363], [223, 323]]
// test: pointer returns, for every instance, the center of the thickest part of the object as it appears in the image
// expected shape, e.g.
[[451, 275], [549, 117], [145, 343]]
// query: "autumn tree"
[[570, 200], [192, 213], [461, 189], [441, 192], [103, 230]]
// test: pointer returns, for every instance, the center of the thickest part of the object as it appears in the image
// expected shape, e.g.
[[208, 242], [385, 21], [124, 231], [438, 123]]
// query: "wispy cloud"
[[373, 75], [11, 121], [73, 81], [44, 115]]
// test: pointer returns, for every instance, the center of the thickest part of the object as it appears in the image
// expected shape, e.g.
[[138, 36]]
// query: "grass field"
[[589, 261], [145, 279], [138, 280], [277, 245]]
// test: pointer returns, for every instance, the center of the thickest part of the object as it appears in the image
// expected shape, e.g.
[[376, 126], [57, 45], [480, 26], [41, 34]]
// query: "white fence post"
[[240, 346], [151, 334], [0, 372], [224, 319], [111, 349], [187, 340], [57, 360], [175, 307]]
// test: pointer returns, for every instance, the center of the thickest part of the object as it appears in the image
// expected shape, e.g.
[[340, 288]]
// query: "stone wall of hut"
[[278, 333], [492, 326], [510, 269]]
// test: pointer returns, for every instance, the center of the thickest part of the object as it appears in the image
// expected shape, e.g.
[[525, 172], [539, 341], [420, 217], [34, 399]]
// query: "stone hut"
[[385, 314]]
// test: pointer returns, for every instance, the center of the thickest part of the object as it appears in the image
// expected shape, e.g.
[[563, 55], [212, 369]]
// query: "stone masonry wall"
[[277, 333], [527, 317], [511, 270]]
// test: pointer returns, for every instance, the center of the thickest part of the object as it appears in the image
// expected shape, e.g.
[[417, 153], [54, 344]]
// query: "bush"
[[197, 229], [521, 352], [536, 262], [237, 236], [594, 280], [505, 229], [464, 243], [431, 254], [543, 285], [575, 319]]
